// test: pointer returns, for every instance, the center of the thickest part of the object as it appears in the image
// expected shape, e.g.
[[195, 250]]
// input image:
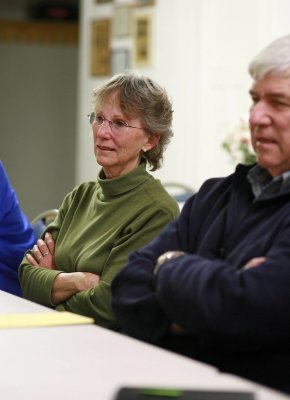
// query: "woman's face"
[[119, 151]]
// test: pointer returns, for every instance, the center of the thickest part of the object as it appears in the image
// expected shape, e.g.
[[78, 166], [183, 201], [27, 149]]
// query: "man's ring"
[[45, 254]]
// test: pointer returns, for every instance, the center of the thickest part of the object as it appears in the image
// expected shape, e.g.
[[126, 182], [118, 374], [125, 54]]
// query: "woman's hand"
[[66, 285], [43, 253]]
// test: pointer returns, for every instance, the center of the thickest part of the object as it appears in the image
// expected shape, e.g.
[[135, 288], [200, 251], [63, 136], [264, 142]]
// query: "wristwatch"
[[169, 255]]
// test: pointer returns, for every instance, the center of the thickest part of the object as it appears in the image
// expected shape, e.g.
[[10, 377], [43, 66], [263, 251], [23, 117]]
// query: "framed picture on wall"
[[100, 47], [142, 40], [120, 60], [103, 1], [142, 3], [121, 24]]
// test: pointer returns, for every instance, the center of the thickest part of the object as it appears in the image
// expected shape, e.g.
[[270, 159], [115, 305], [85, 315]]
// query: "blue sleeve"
[[16, 235]]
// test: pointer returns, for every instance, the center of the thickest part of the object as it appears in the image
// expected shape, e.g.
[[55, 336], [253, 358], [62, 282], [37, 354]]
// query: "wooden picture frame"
[[142, 40], [100, 47]]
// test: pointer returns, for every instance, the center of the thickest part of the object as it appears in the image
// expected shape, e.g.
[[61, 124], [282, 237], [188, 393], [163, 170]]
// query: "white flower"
[[237, 143]]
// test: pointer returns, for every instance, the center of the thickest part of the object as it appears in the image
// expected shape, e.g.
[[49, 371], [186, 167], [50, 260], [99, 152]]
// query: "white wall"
[[37, 122], [201, 49], [38, 115]]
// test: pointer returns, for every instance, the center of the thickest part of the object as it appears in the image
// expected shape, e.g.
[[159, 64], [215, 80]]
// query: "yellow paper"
[[57, 318]]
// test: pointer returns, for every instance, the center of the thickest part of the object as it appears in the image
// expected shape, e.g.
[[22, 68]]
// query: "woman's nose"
[[104, 129]]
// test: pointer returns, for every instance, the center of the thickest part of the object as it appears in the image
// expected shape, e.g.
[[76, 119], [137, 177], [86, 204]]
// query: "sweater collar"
[[124, 183]]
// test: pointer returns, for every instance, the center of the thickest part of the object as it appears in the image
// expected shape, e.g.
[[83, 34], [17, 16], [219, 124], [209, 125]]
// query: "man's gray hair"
[[275, 58]]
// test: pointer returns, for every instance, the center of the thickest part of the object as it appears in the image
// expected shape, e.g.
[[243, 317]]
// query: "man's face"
[[270, 122]]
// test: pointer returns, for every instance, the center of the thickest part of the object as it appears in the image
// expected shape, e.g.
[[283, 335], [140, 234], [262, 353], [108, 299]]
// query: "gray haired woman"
[[99, 223]]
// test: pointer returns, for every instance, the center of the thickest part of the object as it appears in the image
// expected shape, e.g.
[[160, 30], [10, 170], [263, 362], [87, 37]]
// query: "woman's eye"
[[99, 119], [119, 123]]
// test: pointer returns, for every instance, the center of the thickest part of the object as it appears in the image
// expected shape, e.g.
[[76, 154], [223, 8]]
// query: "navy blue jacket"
[[237, 319], [16, 236]]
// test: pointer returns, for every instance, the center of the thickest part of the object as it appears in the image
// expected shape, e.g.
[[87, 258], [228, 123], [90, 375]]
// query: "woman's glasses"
[[117, 126]]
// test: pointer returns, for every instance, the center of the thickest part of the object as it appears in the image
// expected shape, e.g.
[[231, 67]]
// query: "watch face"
[[162, 259], [169, 255]]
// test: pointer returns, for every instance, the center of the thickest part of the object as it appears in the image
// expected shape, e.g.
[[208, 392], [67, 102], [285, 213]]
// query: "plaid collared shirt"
[[263, 183]]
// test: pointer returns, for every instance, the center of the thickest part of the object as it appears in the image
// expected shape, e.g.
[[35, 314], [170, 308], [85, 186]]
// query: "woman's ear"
[[152, 141]]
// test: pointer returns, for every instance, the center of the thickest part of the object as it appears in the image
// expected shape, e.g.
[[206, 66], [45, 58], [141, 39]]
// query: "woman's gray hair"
[[275, 58], [141, 97]]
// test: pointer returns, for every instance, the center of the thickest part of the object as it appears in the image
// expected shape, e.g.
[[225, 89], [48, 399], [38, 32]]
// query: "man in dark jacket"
[[215, 285]]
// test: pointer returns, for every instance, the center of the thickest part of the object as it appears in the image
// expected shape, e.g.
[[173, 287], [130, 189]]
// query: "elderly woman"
[[99, 223]]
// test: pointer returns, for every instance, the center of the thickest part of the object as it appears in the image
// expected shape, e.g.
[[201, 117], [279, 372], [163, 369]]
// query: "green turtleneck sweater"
[[98, 225]]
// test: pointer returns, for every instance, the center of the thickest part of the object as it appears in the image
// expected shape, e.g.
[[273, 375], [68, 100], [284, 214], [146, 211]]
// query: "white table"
[[89, 362]]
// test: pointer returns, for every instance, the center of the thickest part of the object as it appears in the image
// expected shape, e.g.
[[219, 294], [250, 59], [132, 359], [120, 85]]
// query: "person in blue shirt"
[[16, 235]]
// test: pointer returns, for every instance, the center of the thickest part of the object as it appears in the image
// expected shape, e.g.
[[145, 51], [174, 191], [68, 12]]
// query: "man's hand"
[[254, 262], [176, 329]]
